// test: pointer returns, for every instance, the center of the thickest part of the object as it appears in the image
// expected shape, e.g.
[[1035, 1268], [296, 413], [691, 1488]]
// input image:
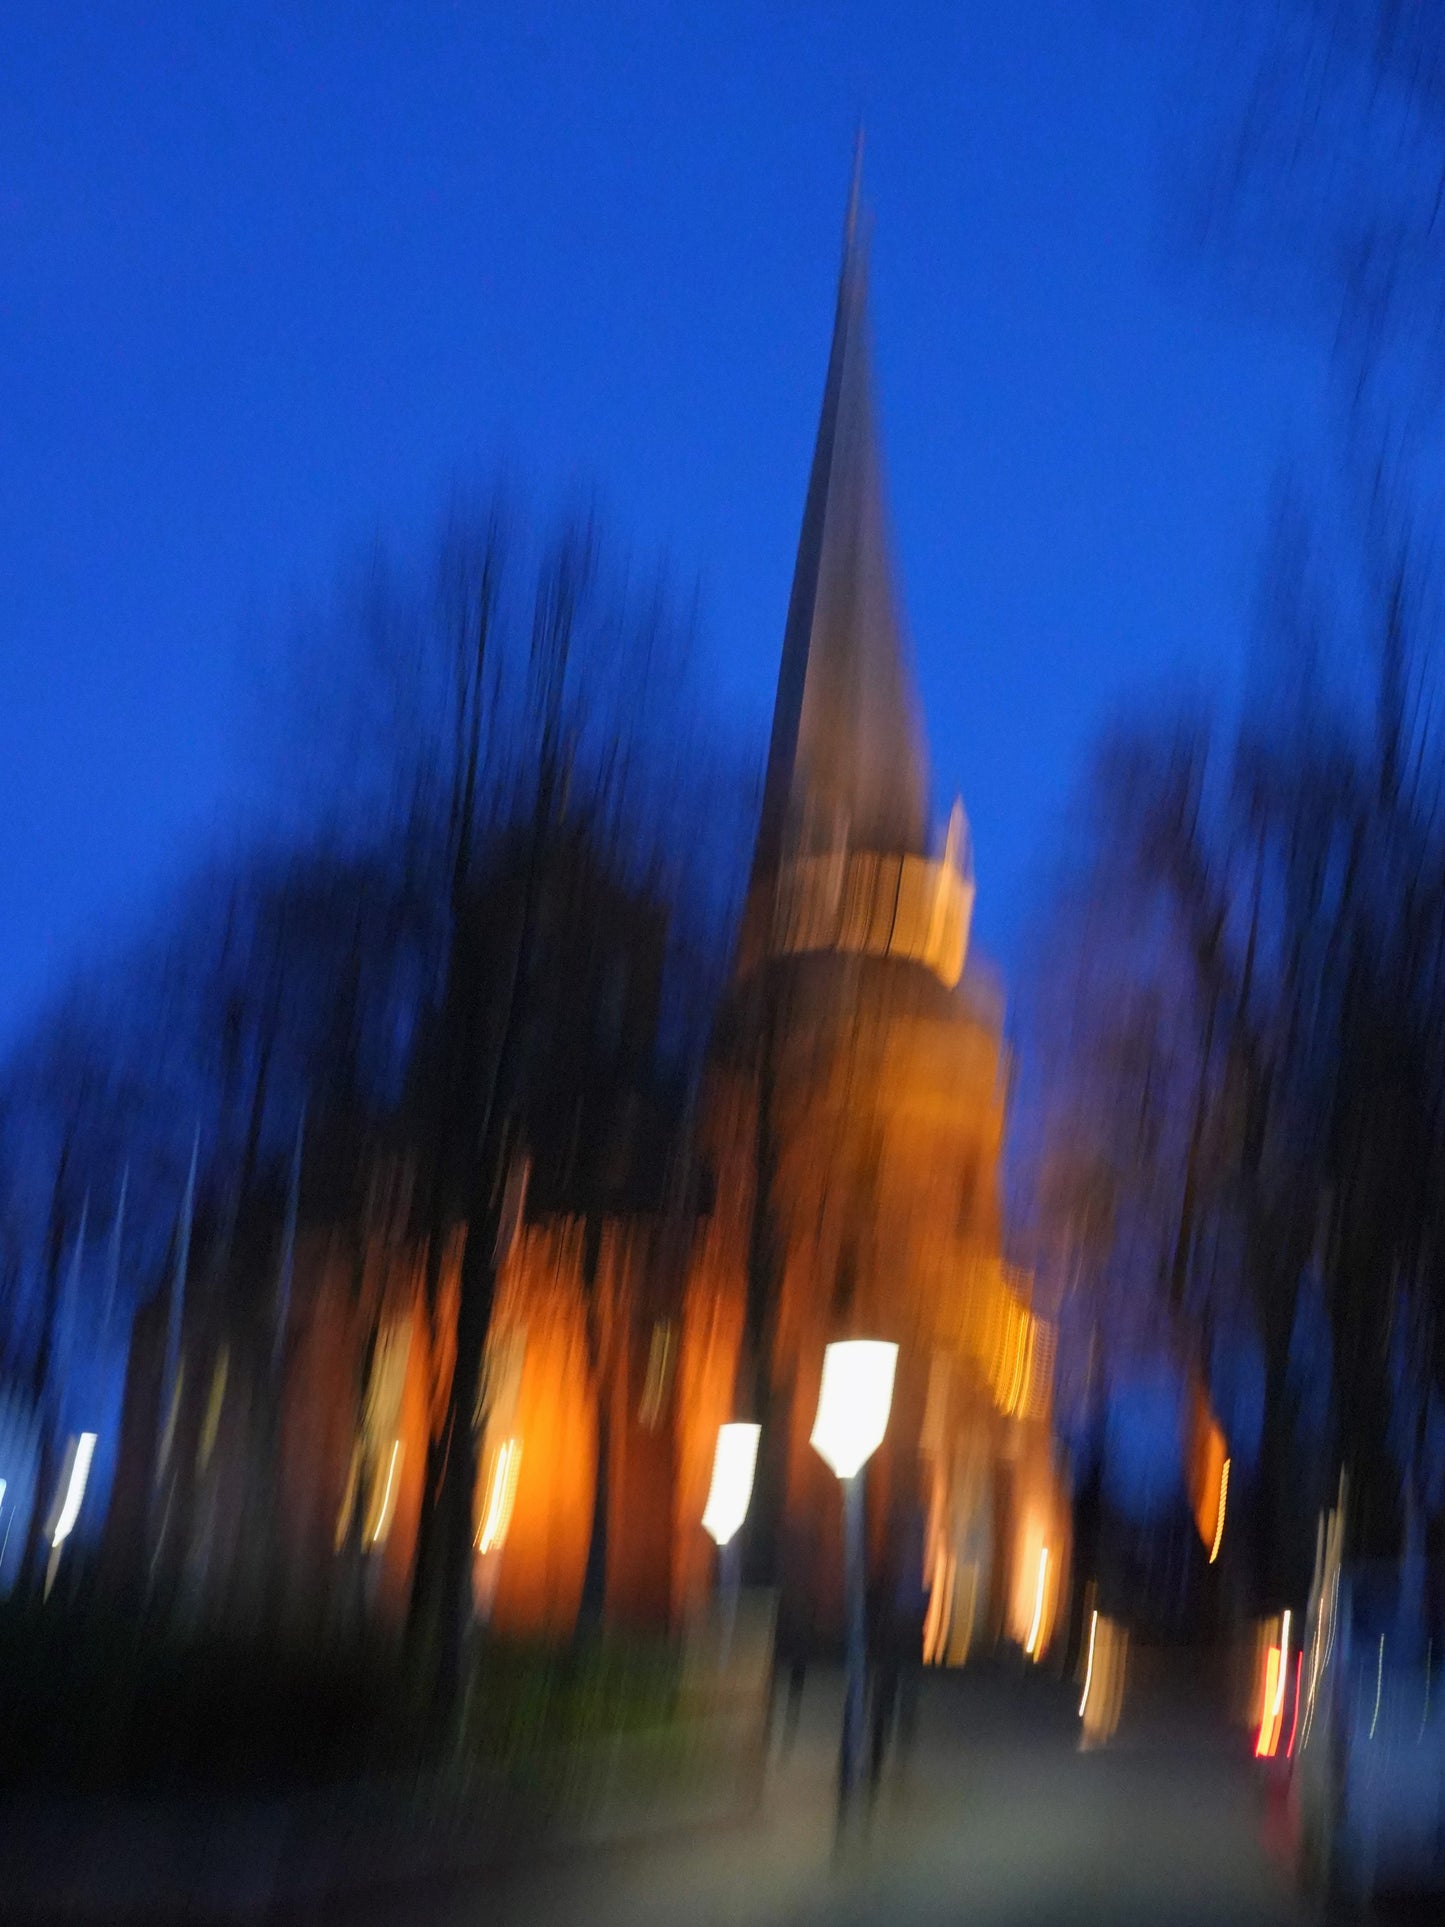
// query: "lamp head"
[[733, 1466], [853, 1402]]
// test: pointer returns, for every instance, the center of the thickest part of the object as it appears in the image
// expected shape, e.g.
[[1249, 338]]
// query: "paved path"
[[996, 1817]]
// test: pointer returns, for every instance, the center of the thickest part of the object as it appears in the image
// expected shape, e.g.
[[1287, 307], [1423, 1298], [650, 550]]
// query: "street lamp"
[[734, 1462], [853, 1405]]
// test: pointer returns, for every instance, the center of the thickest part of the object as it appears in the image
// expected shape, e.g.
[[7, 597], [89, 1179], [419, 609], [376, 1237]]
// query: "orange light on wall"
[[1264, 1746], [1219, 1516], [1276, 1679], [1033, 1645], [1208, 1477], [939, 1616], [1019, 1356]]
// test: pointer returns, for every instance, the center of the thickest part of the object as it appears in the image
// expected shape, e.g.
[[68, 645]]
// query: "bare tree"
[[1319, 172], [1252, 1063], [518, 711]]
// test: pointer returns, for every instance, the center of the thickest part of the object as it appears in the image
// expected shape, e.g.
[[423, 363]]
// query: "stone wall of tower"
[[656, 1369], [888, 1096]]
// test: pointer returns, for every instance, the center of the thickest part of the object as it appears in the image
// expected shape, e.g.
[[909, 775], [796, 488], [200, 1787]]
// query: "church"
[[835, 1174], [850, 1127]]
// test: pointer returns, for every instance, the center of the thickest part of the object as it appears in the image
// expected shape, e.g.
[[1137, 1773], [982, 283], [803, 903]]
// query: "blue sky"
[[270, 276]]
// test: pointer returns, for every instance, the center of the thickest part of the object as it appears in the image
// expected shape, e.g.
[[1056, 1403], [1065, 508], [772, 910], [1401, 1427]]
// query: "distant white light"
[[1379, 1682], [77, 1472], [3, 1490], [853, 1403], [733, 1465]]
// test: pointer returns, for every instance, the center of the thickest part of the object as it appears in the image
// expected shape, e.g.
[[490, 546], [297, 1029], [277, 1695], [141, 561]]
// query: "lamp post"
[[734, 1463], [853, 1405]]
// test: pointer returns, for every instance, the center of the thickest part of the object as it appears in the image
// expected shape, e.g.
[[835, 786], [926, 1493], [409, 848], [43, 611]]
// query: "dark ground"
[[996, 1817]]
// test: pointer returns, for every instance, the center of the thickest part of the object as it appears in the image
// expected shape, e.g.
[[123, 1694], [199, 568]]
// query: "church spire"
[[855, 195], [846, 763]]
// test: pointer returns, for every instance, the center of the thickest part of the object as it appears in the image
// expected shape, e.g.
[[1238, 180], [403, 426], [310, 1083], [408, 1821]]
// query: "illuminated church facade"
[[838, 1175]]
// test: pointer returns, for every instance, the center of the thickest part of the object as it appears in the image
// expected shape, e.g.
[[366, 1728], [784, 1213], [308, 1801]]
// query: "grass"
[[92, 1704]]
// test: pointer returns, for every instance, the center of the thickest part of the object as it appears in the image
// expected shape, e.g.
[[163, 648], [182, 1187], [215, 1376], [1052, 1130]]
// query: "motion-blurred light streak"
[[660, 1360], [1031, 1644], [1089, 1664], [77, 1472], [1276, 1682], [1268, 1739], [1103, 1696], [501, 1496], [388, 1497], [1379, 1686], [1294, 1723], [1219, 1520]]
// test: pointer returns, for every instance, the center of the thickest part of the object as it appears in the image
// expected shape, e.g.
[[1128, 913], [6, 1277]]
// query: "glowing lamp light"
[[853, 1403], [733, 1465], [77, 1473]]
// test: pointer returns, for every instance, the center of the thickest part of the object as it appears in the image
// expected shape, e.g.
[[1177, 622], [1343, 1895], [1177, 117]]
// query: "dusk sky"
[[271, 276]]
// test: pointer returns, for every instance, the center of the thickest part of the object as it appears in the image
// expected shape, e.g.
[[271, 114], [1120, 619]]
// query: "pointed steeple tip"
[[846, 764], [855, 191]]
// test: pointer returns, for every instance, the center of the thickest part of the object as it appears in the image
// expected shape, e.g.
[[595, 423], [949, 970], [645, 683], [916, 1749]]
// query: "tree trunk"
[[497, 1138], [421, 1623], [456, 1498]]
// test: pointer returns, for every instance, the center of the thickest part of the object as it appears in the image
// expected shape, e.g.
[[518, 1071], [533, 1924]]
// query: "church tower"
[[856, 1113], [847, 771]]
